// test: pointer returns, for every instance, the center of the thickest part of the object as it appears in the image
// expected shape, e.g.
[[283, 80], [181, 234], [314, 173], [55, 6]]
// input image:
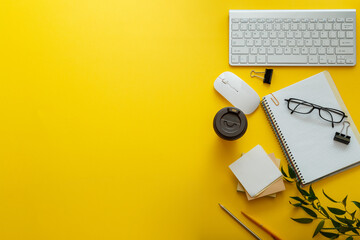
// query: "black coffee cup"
[[230, 123]]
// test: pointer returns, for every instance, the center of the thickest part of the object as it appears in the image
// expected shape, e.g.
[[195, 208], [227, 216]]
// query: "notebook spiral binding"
[[284, 146]]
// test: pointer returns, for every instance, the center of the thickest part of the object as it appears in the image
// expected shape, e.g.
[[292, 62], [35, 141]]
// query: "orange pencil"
[[261, 226]]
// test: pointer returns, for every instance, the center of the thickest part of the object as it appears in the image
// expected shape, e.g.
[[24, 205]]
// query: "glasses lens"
[[331, 116], [299, 106]]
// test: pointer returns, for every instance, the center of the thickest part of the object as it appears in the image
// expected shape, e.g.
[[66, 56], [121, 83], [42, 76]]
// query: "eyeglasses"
[[328, 114]]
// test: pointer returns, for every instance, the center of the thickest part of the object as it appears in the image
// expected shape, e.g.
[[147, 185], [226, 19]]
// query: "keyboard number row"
[[292, 42]]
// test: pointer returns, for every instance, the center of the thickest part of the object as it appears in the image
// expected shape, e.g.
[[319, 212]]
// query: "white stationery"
[[307, 140], [255, 171]]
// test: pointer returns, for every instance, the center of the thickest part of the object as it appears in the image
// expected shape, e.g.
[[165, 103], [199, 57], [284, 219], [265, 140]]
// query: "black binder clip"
[[343, 138], [267, 75]]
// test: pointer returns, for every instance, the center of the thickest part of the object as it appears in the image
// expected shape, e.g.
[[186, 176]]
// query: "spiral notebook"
[[306, 139]]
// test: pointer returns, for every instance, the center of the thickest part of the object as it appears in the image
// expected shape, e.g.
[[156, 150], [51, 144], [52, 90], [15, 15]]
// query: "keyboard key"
[[341, 61], [251, 59], [312, 51], [278, 50], [332, 34], [346, 42], [287, 51], [235, 26], [235, 20], [319, 26], [249, 42], [325, 43], [247, 35], [243, 59], [308, 42], [304, 50], [256, 35], [274, 42], [291, 43], [334, 42], [317, 42], [349, 20], [322, 59], [299, 42], [337, 26], [313, 59], [296, 51], [344, 50], [314, 34], [274, 59], [341, 34], [266, 43], [260, 59], [330, 50], [240, 50], [331, 59], [328, 26], [270, 50], [321, 51], [282, 42], [349, 61], [237, 34], [253, 50], [311, 26], [347, 26], [258, 42], [235, 59], [262, 50], [340, 20], [238, 42], [324, 35], [349, 34]]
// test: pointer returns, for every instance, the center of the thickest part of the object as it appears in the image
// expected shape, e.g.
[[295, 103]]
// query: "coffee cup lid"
[[230, 123]]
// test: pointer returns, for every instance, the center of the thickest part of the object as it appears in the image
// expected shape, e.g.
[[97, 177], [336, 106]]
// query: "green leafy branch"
[[342, 222]]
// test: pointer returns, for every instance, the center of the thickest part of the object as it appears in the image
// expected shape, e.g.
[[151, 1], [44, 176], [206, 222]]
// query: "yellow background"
[[106, 126]]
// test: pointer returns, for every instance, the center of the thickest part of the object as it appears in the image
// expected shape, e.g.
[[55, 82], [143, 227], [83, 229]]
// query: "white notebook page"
[[309, 137]]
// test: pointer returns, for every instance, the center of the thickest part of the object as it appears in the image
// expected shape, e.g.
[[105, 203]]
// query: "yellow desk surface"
[[106, 127]]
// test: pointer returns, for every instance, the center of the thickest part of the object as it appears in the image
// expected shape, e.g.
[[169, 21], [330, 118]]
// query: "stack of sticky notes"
[[258, 174]]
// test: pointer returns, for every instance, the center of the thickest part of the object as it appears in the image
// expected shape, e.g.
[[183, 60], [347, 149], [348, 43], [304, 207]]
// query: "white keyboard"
[[292, 37]]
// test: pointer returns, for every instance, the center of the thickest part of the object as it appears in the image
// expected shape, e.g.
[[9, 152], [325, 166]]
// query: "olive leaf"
[[319, 227], [283, 172], [324, 211], [356, 203], [302, 191], [309, 211], [353, 215], [329, 235], [350, 238], [302, 220], [291, 172], [345, 220], [335, 223], [312, 194], [296, 204], [344, 229], [300, 200], [344, 201], [336, 211], [329, 197]]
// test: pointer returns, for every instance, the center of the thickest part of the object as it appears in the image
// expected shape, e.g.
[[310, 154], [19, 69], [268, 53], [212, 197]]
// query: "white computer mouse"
[[237, 92]]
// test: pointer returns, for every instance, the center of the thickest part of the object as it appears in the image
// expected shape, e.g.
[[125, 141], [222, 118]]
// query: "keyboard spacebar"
[[286, 59]]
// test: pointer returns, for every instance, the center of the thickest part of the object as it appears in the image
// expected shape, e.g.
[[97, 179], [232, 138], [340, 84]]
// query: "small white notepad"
[[255, 171]]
